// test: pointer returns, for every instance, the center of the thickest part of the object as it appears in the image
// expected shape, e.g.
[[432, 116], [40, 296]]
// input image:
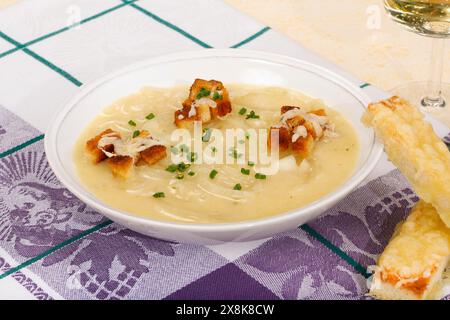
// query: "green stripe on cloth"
[[251, 38], [56, 32], [21, 146], [4, 54], [41, 59], [95, 16], [47, 63], [126, 3], [364, 85], [9, 39], [341, 254], [55, 248], [169, 25]]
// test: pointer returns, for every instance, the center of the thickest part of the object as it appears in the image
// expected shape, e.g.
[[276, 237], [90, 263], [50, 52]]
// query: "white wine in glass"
[[429, 18]]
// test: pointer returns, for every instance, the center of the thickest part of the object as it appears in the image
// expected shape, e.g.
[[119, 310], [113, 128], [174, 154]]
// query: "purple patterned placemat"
[[17, 132], [81, 255]]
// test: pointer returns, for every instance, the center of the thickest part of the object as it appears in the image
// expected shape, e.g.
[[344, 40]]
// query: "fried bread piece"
[[153, 154], [123, 154], [207, 100], [415, 149], [298, 130], [121, 165], [95, 153], [415, 258]]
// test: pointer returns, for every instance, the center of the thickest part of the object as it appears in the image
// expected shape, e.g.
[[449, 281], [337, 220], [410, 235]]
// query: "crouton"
[[121, 165], [299, 129], [122, 154], [96, 154], [185, 117], [207, 100], [310, 130], [294, 121], [284, 138], [303, 147], [153, 154], [285, 109]]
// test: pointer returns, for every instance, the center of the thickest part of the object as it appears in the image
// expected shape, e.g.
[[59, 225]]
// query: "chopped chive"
[[260, 176], [217, 96], [159, 195], [213, 173], [203, 93], [241, 141], [251, 163], [136, 133], [252, 115], [172, 168], [191, 173], [150, 116], [242, 111], [182, 167], [247, 135], [214, 150], [179, 176], [207, 136], [234, 153], [132, 123], [245, 171], [192, 156], [237, 187]]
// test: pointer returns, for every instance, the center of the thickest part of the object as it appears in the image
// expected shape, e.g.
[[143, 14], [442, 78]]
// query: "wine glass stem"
[[434, 97]]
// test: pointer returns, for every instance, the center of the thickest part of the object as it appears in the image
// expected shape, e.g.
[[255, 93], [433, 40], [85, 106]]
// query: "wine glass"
[[429, 18]]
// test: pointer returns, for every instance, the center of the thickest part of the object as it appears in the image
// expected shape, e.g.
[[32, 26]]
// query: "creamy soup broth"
[[198, 198]]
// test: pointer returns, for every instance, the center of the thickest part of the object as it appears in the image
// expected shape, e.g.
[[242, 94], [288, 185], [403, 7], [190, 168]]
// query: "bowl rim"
[[119, 215]]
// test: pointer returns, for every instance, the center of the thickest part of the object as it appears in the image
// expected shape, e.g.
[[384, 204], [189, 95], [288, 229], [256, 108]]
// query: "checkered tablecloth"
[[52, 246]]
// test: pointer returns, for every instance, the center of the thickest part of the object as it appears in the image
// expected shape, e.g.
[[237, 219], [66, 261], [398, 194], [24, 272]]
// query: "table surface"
[[355, 34]]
